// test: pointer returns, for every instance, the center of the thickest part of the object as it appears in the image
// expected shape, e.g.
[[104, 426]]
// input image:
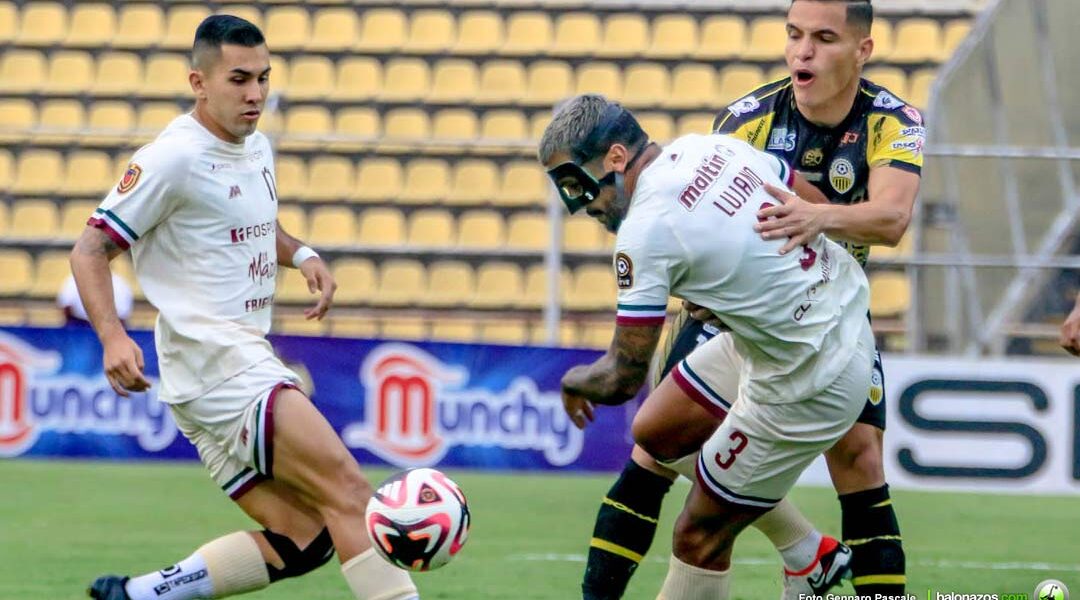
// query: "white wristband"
[[303, 253]]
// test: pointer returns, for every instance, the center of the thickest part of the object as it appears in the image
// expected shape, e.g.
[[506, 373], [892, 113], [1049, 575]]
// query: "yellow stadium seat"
[[693, 86], [882, 32], [403, 328], [334, 30], [566, 335], [307, 128], [310, 78], [528, 33], [454, 330], [38, 172], [431, 227], [17, 118], [73, 217], [293, 220], [455, 125], [501, 82], [480, 32], [646, 84], [248, 12], [891, 78], [597, 334], [481, 229], [593, 288], [917, 40], [3, 219], [9, 21], [59, 121], [524, 183], [152, 117], [93, 25], [626, 35], [88, 173], [528, 231], [919, 91], [7, 170], [382, 227], [70, 72], [358, 78], [582, 234], [455, 81], [504, 126], [291, 287], [576, 34], [538, 124], [383, 31], [890, 294], [118, 74], [34, 219], [549, 82], [297, 324], [359, 124], [330, 178], [279, 74], [405, 80], [356, 280], [431, 31], [659, 126], [768, 38], [498, 285], [450, 284], [139, 26], [332, 226], [426, 181], [22, 71], [344, 325], [475, 181], [695, 123], [17, 267], [42, 24], [402, 282], [166, 76], [738, 81], [723, 37], [52, 269], [291, 176], [673, 36], [599, 78], [378, 179], [180, 26], [536, 287], [955, 33], [288, 28], [510, 332]]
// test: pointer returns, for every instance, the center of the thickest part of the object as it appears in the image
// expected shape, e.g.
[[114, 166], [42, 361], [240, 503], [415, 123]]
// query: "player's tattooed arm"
[[616, 376]]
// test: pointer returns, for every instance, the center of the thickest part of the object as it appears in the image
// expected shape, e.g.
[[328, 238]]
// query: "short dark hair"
[[860, 13], [217, 30]]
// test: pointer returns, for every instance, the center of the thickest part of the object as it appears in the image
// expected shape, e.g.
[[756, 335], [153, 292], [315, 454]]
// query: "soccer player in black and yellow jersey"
[[860, 146]]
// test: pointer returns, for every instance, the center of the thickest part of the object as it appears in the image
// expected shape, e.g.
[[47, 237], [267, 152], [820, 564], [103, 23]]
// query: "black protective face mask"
[[576, 186]]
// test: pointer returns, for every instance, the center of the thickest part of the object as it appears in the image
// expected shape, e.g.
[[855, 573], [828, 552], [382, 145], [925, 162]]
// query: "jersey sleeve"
[[896, 140], [778, 166], [147, 193], [645, 268]]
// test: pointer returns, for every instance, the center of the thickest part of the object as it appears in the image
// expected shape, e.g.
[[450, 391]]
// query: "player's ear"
[[865, 50], [616, 158], [198, 83]]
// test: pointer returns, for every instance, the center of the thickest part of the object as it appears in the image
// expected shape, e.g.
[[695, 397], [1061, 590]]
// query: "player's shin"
[[624, 530], [791, 533], [227, 566], [871, 530], [372, 578]]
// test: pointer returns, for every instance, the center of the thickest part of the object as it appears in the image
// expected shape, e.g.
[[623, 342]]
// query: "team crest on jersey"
[[912, 113], [813, 157], [745, 106], [851, 137], [887, 101], [624, 271], [130, 178], [842, 175]]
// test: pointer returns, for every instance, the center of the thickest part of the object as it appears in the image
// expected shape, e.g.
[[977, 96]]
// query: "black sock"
[[624, 531], [871, 530]]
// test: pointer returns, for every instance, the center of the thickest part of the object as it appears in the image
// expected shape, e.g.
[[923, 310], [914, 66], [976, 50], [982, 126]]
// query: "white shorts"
[[232, 426], [760, 450]]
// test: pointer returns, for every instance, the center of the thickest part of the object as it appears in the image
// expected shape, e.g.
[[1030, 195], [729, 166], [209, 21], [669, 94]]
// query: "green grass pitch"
[[63, 523]]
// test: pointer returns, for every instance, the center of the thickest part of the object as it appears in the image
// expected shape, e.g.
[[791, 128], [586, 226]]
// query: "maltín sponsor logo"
[[416, 408], [35, 399]]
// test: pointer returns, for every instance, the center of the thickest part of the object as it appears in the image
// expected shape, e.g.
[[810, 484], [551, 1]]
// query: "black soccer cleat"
[[109, 587]]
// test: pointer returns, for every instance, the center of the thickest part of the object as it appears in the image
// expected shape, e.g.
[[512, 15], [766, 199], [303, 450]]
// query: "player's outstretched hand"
[[1070, 331], [319, 280], [795, 219], [124, 364], [579, 409]]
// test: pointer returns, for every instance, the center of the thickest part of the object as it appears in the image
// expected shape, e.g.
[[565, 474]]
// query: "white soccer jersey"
[[689, 234], [199, 215]]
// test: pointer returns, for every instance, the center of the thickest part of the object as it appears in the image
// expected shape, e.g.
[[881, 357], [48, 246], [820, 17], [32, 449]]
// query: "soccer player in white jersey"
[[684, 217], [198, 209]]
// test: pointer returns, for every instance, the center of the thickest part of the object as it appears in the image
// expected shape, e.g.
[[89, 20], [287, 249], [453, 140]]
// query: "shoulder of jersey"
[[888, 102], [758, 102]]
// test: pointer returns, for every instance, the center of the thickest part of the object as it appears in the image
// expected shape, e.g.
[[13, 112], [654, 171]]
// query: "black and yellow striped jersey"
[[880, 130]]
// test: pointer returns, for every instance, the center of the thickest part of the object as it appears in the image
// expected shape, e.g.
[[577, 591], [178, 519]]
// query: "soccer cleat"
[[109, 587], [832, 564]]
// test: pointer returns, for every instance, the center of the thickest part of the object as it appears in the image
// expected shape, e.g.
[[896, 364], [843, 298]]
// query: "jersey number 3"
[[741, 441], [809, 257]]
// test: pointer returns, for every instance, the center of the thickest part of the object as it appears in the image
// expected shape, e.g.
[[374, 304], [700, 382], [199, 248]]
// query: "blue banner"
[[404, 404]]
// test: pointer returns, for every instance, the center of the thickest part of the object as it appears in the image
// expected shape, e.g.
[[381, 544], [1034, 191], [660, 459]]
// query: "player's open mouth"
[[804, 77]]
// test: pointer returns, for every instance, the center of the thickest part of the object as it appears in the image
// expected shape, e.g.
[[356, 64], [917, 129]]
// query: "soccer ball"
[[418, 519]]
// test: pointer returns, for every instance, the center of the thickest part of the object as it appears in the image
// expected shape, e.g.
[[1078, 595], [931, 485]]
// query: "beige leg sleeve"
[[784, 525], [687, 582], [685, 466], [235, 564], [372, 578]]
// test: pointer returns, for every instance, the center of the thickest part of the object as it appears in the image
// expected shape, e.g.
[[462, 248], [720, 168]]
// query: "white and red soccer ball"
[[418, 519]]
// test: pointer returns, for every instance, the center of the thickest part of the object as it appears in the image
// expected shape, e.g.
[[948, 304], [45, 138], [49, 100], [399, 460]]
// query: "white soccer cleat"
[[832, 564]]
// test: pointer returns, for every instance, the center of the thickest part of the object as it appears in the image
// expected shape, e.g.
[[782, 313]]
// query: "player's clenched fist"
[[319, 280], [124, 364], [578, 408]]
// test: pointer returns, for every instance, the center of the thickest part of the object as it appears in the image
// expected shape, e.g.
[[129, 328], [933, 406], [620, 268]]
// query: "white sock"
[[802, 553], [372, 578], [687, 582], [187, 580]]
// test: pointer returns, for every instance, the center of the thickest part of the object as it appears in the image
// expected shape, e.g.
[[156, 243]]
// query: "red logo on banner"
[[17, 429]]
